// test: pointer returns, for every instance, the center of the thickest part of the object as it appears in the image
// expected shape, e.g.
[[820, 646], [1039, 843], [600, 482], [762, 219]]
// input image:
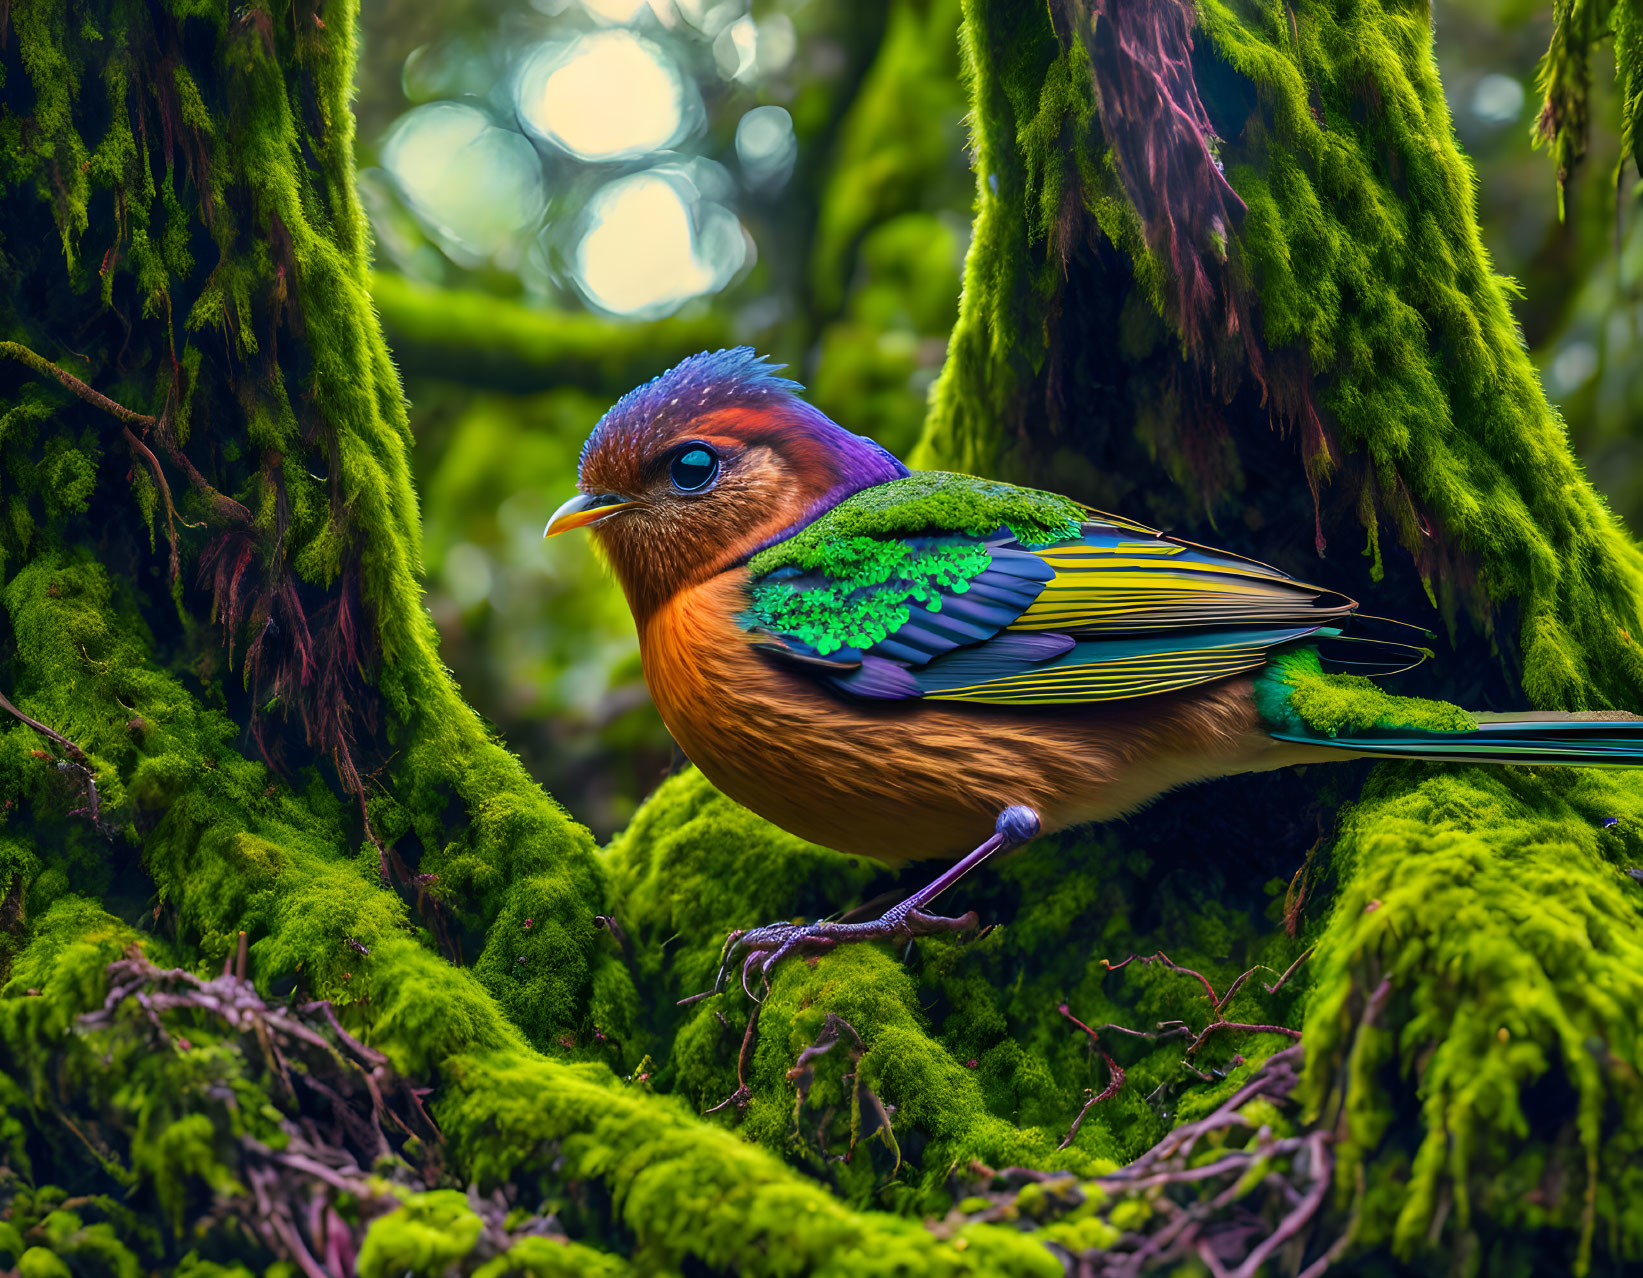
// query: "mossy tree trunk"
[[1227, 276], [231, 746]]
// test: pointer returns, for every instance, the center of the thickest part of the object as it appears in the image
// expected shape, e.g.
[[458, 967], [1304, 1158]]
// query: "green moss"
[[1361, 249], [554, 1258], [284, 394], [426, 1236], [156, 1097], [870, 583], [689, 1190], [693, 865], [681, 1188], [1486, 918], [1484, 902], [926, 502], [40, 1262], [287, 276], [1293, 692], [1565, 84], [253, 855], [1083, 1235], [961, 1040], [1031, 111], [906, 1066]]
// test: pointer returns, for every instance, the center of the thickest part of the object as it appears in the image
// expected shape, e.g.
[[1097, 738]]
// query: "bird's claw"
[[758, 950]]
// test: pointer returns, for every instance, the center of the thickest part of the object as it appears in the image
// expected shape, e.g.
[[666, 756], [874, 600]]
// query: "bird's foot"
[[758, 950]]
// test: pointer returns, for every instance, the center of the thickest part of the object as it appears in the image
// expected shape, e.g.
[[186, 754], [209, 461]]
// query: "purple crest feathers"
[[696, 385], [666, 409]]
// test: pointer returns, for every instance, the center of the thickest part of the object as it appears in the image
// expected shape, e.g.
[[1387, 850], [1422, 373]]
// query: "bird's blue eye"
[[694, 469]]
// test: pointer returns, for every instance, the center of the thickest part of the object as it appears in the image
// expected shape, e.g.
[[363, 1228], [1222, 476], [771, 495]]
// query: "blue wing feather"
[[989, 602]]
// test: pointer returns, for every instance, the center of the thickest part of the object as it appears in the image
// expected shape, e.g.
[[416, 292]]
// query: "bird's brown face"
[[691, 473], [674, 507]]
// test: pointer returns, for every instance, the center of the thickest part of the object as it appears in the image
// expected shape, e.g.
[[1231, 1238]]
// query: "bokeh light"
[[766, 146], [1498, 99], [593, 116], [474, 185], [606, 95], [1571, 368], [654, 240], [625, 11]]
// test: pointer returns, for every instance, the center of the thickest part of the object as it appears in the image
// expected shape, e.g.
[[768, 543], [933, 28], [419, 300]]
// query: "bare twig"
[[743, 1093], [1115, 1078], [225, 508], [77, 763], [1321, 1164], [1179, 1029], [70, 382], [345, 1117], [1248, 1029], [69, 748], [369, 1055], [1290, 970], [1231, 1208], [147, 454]]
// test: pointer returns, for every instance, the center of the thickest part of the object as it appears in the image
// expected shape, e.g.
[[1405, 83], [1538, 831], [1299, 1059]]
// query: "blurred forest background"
[[570, 195]]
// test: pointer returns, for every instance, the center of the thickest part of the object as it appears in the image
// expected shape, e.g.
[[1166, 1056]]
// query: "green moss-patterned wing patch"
[[908, 599]]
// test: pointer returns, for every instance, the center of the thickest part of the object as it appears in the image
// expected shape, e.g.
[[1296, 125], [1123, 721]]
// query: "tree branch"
[[226, 508]]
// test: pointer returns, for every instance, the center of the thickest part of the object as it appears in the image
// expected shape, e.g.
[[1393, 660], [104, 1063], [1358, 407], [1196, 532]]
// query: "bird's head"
[[693, 472]]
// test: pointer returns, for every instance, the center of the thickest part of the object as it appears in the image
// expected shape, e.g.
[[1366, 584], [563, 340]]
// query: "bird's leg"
[[760, 949]]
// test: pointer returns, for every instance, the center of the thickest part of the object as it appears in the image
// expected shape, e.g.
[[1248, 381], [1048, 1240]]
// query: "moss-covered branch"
[[1565, 82], [479, 339]]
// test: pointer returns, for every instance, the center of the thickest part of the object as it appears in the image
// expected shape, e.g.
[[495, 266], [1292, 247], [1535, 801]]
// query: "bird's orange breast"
[[912, 779]]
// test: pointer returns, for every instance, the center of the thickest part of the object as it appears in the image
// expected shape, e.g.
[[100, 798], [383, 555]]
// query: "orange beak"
[[584, 509]]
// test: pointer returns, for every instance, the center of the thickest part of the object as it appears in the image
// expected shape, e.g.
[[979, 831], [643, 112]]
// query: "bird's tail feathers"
[[1361, 655], [1599, 739]]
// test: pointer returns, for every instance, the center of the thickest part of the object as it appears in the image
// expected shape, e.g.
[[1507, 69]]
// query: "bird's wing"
[[1115, 612]]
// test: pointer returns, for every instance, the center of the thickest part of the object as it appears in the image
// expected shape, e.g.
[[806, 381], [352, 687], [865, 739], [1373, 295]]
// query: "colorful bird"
[[929, 665]]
